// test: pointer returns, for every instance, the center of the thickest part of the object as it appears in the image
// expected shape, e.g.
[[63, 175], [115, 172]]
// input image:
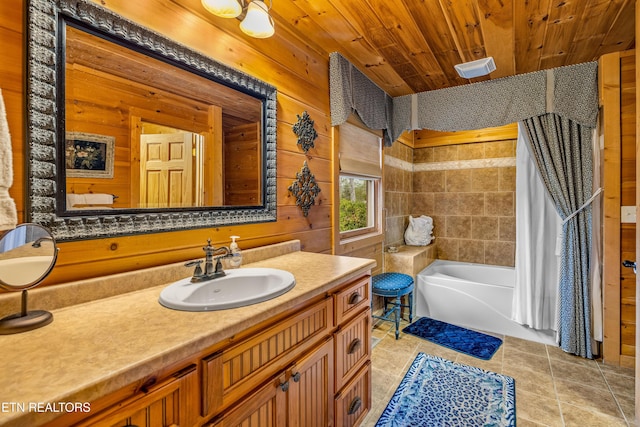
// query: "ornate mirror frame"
[[45, 128]]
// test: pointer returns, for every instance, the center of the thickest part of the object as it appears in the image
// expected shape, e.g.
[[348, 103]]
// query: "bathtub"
[[474, 296]]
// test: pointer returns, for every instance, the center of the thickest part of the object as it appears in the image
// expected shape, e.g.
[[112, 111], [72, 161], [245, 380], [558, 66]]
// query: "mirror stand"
[[27, 256], [25, 320]]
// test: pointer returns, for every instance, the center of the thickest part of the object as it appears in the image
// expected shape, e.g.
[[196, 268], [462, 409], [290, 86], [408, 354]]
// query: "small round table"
[[393, 285]]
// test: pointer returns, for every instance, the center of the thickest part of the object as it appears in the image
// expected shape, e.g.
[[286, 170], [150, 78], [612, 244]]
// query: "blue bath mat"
[[439, 392], [454, 337]]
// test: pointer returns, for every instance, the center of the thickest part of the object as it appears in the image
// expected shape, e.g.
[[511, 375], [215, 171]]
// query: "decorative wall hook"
[[305, 189], [305, 131]]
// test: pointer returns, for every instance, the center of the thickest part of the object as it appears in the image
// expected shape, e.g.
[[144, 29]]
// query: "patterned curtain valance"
[[352, 91], [570, 91]]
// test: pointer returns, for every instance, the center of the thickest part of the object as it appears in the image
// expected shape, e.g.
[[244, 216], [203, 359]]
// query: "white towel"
[[98, 199], [8, 214], [75, 199]]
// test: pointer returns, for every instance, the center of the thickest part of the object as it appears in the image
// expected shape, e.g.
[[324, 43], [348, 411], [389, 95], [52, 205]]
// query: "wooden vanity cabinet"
[[307, 367], [300, 396], [172, 402]]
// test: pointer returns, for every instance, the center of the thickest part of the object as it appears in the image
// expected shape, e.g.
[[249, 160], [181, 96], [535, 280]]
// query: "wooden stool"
[[393, 285]]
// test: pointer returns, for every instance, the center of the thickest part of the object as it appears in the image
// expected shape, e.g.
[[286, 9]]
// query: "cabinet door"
[[311, 389], [353, 347], [264, 408], [354, 401], [173, 402]]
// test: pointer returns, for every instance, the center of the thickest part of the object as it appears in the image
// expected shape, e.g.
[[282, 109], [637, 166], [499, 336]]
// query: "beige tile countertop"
[[99, 346]]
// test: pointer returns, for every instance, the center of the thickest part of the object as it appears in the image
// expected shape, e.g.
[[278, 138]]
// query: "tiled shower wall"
[[398, 188], [469, 191]]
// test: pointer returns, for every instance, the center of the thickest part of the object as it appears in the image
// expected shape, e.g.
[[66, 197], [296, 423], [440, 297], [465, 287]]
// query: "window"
[[358, 204], [359, 182]]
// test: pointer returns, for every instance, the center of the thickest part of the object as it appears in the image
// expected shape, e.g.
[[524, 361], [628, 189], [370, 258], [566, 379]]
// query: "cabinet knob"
[[356, 403], [354, 298], [354, 346], [295, 376], [284, 384]]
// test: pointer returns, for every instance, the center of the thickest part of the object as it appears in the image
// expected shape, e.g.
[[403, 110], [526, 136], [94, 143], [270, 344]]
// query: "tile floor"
[[553, 388]]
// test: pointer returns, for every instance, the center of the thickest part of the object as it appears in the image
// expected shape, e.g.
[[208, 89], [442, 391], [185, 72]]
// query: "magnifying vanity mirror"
[[27, 256], [131, 132]]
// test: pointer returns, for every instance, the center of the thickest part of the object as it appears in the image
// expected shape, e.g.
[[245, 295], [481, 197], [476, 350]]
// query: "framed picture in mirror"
[[89, 155]]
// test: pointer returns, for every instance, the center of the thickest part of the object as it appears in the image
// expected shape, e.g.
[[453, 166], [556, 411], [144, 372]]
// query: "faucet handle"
[[198, 271]]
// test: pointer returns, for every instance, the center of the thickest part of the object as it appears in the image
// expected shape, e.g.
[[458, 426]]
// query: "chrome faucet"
[[211, 271]]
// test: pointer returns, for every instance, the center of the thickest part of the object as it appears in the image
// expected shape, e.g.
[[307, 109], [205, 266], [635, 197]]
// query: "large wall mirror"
[[131, 132]]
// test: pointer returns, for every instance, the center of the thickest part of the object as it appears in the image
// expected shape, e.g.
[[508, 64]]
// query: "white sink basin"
[[240, 287]]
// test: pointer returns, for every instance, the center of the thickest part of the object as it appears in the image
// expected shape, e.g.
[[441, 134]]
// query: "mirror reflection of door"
[[170, 169]]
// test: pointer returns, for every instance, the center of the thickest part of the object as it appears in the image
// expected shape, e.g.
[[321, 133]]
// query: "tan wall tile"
[[422, 204], [471, 204], [446, 203], [407, 179], [439, 223], [394, 233], [507, 179], [499, 203], [471, 251], [429, 181], [471, 151], [500, 149], [507, 225], [446, 153], [458, 181], [423, 155], [392, 179], [497, 253], [447, 248], [458, 227], [484, 228], [486, 179]]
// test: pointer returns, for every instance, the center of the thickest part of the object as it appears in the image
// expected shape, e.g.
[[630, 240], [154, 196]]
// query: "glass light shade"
[[257, 23], [223, 8]]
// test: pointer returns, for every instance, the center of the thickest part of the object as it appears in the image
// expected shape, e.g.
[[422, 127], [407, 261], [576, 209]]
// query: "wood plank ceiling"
[[409, 46]]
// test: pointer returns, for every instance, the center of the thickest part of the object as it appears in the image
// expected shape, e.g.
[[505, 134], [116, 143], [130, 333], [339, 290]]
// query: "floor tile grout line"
[[606, 381], [555, 388]]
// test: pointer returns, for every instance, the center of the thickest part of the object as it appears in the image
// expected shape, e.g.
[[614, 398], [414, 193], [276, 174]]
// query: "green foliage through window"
[[354, 203]]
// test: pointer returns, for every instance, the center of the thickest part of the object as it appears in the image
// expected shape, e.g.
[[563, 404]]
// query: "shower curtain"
[[538, 226]]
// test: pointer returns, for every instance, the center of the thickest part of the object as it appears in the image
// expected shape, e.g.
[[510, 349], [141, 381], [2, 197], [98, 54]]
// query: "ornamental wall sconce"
[[254, 17], [305, 131], [305, 189]]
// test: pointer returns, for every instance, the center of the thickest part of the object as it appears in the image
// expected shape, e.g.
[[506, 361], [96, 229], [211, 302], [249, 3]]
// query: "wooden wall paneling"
[[637, 281], [496, 20], [289, 66], [301, 77], [560, 33], [530, 25], [333, 33], [610, 101], [433, 138], [620, 30], [627, 198], [11, 78]]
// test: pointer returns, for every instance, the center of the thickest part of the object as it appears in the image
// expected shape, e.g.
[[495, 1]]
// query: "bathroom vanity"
[[301, 359]]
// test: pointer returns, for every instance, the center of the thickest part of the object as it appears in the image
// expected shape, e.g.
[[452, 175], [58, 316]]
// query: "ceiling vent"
[[477, 68]]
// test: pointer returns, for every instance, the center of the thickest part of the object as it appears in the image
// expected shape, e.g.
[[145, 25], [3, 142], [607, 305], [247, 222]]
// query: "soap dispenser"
[[236, 254]]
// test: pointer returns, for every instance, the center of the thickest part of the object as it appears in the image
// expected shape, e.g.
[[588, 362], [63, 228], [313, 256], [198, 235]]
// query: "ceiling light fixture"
[[254, 16], [477, 68]]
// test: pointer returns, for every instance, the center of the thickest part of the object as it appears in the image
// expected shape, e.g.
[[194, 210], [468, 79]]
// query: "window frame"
[[373, 203]]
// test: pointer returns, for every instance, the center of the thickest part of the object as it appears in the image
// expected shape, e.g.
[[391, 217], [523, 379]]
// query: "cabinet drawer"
[[353, 347], [354, 402], [173, 402], [350, 300], [234, 372]]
